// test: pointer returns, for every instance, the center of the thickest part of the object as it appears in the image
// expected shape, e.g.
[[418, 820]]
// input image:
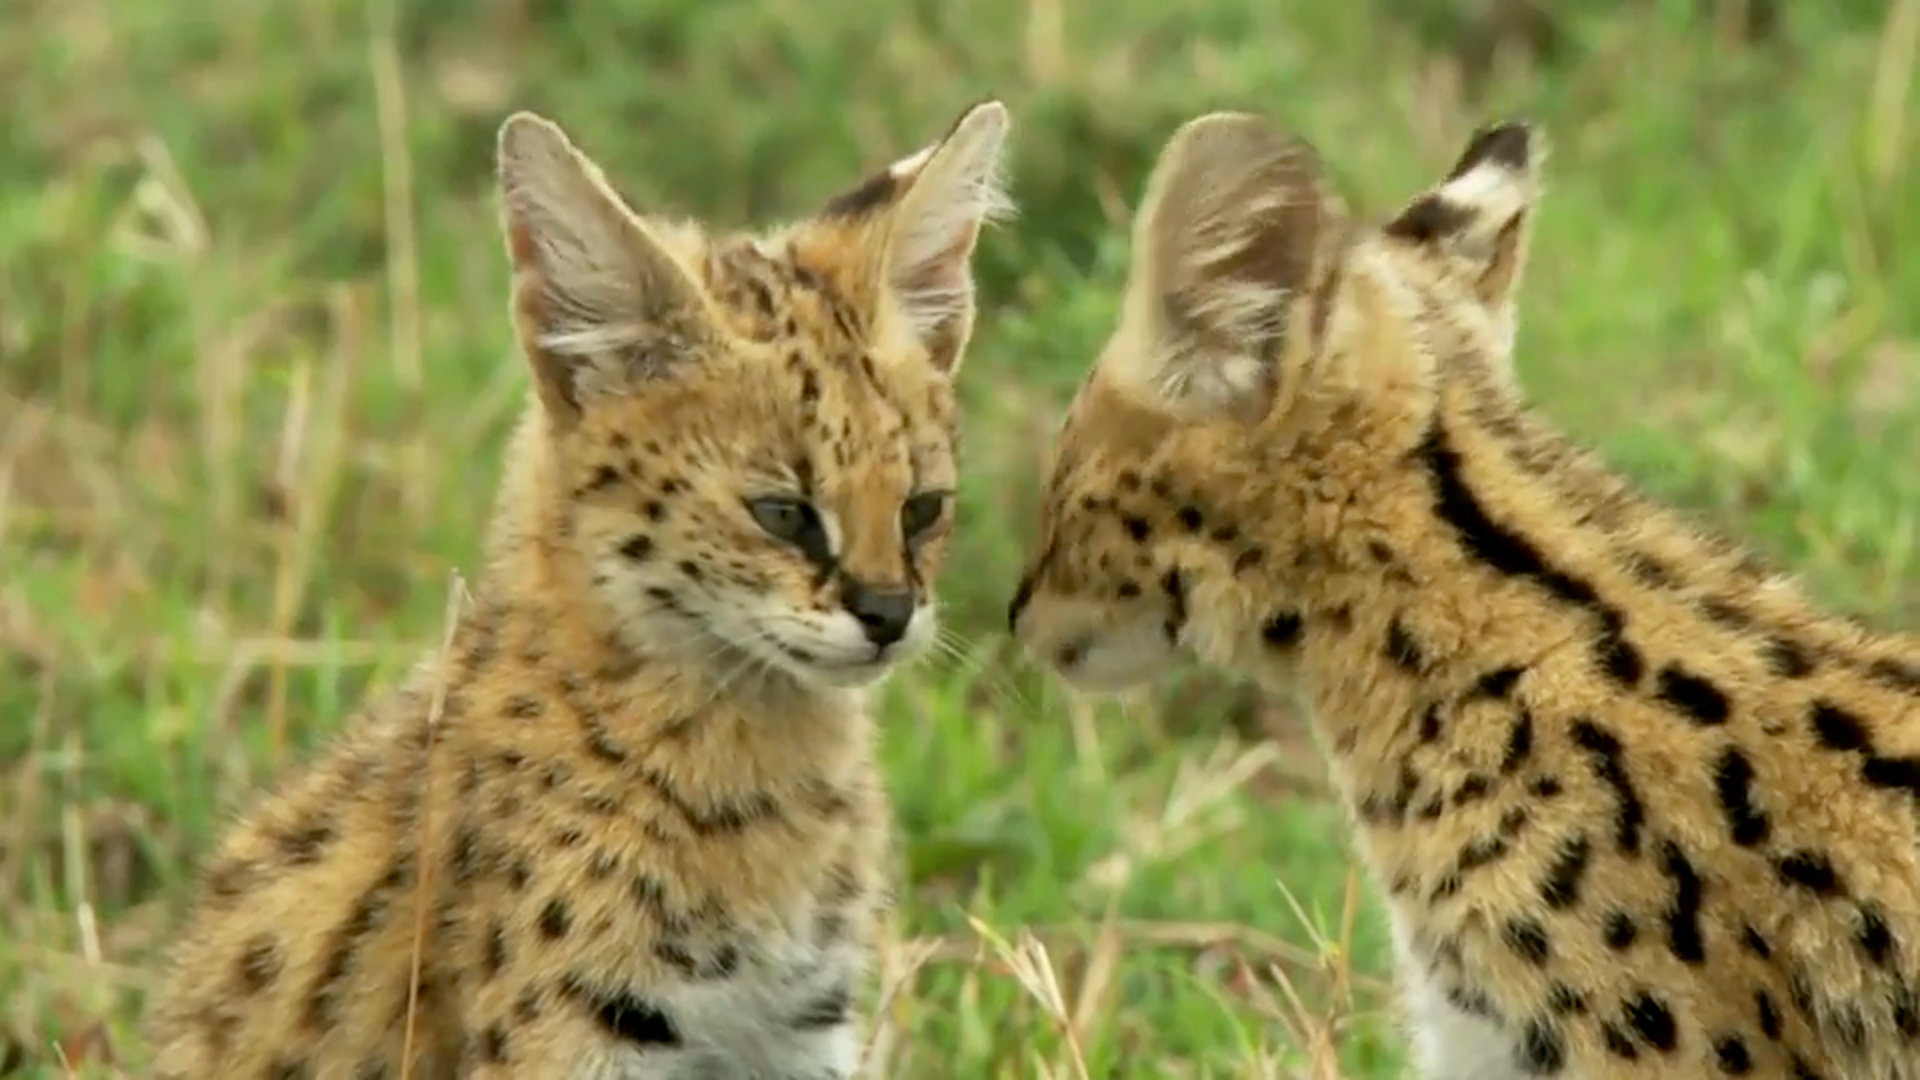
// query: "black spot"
[[1514, 821], [556, 919], [1768, 1014], [1499, 682], [464, 857], [260, 963], [1430, 723], [1684, 938], [1651, 1020], [1544, 787], [1617, 1042], [604, 476], [493, 1044], [1906, 1011], [520, 707], [1609, 766], [1618, 658], [301, 844], [1561, 888], [1282, 629], [634, 1020], [1696, 698], [1892, 673], [1901, 773], [637, 548], [1175, 589], [1189, 518], [1733, 1055], [1810, 870], [1542, 1050], [1787, 659], [1528, 940], [1838, 729], [1519, 743], [1754, 943], [1480, 852], [1874, 936], [1733, 783], [1564, 1000], [1137, 527], [1472, 1002], [494, 961], [1472, 789], [830, 1009], [1620, 931], [1402, 649]]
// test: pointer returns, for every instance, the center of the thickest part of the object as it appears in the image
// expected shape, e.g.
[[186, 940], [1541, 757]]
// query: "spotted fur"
[[1640, 809], [645, 837]]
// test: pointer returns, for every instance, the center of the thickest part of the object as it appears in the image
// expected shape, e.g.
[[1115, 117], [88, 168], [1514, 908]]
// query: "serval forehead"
[[769, 293], [861, 408]]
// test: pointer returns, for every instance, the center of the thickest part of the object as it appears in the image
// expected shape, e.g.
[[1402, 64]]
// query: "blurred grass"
[[254, 365]]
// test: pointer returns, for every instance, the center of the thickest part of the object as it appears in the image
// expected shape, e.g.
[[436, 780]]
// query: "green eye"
[[922, 512], [791, 520]]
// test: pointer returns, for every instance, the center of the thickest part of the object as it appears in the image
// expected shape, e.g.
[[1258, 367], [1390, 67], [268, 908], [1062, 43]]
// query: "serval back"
[[636, 799], [1639, 807]]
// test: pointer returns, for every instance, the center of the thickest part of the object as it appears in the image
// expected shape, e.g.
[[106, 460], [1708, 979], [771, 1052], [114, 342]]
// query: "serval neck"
[[534, 616], [1490, 546]]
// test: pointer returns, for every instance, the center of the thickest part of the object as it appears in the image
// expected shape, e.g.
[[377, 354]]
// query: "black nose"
[[883, 613]]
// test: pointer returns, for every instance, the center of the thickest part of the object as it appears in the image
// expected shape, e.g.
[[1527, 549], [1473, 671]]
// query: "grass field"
[[254, 365]]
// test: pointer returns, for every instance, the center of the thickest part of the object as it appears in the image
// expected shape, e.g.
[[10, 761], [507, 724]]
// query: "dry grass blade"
[[457, 600], [1027, 961]]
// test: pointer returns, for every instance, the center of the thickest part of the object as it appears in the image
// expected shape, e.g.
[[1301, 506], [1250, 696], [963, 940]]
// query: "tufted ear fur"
[[922, 218], [599, 302], [1480, 217], [1230, 232]]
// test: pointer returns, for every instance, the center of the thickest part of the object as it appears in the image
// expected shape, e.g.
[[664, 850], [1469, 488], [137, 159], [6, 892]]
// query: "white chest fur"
[[786, 1013]]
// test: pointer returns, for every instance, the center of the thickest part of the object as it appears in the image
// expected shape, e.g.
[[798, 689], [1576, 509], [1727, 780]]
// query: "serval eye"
[[785, 518], [792, 520], [922, 512]]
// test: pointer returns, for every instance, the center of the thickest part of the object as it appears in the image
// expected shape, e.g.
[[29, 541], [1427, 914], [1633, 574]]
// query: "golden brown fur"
[[1640, 808], [646, 829]]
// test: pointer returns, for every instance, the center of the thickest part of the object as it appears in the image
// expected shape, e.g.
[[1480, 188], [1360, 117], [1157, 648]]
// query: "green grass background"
[[254, 368]]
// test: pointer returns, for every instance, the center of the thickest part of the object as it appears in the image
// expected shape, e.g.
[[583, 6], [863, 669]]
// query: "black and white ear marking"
[[1481, 212], [928, 209]]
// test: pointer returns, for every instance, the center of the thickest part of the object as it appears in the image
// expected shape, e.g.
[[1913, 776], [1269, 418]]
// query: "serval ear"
[[599, 302], [920, 219], [1480, 216], [1236, 225]]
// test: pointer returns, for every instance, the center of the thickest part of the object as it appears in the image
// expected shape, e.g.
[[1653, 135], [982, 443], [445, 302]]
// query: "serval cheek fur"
[[1640, 808], [637, 799]]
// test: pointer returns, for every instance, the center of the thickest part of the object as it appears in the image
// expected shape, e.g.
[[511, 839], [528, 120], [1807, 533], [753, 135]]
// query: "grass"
[[254, 366]]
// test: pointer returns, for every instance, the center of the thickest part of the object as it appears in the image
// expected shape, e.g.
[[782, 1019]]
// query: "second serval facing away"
[[1638, 807], [645, 830]]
